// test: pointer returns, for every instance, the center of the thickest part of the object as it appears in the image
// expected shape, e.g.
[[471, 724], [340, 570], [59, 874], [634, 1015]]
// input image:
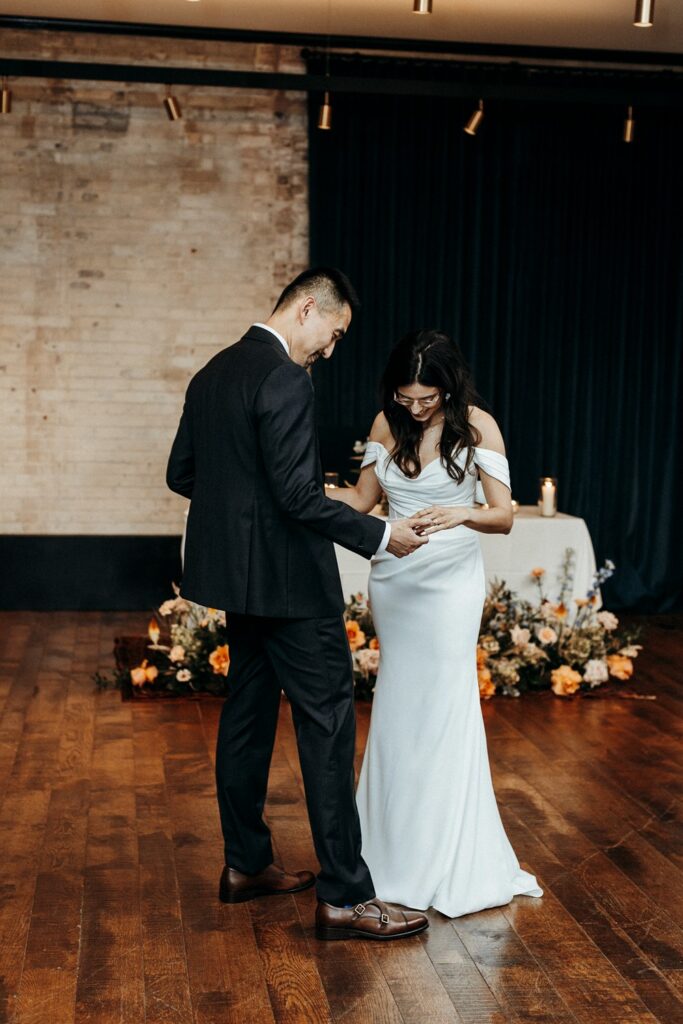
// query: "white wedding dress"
[[432, 834]]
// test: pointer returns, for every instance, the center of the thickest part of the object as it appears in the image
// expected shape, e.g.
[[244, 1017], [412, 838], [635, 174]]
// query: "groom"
[[259, 544]]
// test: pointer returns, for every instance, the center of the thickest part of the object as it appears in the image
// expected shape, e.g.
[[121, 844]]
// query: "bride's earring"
[[446, 396]]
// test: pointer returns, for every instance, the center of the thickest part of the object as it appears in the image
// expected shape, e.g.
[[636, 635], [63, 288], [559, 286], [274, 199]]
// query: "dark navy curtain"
[[553, 252]]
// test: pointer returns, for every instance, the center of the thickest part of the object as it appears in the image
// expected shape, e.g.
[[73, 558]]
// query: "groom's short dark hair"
[[329, 286]]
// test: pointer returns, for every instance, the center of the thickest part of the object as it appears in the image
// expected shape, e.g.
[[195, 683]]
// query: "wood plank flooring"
[[111, 853]]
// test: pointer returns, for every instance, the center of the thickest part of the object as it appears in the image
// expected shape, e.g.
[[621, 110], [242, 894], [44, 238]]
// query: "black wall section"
[[553, 252], [108, 573]]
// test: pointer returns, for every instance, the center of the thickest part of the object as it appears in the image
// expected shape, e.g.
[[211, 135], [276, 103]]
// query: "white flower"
[[177, 653], [596, 671], [546, 634], [367, 661], [183, 675], [607, 620], [631, 650], [520, 636]]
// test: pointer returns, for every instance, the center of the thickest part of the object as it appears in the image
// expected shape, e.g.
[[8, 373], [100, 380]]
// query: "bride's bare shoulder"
[[484, 422], [380, 431]]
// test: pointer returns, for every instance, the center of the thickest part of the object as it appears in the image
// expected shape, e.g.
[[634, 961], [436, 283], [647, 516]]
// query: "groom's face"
[[316, 332]]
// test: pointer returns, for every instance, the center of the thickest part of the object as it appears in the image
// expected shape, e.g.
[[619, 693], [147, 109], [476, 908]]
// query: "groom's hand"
[[404, 540]]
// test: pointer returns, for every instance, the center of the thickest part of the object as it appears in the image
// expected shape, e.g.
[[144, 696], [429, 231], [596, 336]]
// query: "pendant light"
[[645, 14], [629, 125], [5, 98], [475, 120], [422, 6], [172, 106]]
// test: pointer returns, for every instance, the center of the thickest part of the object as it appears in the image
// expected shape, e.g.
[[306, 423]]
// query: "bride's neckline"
[[431, 462]]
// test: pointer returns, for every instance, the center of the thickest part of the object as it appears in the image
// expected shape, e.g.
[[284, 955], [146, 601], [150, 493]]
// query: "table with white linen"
[[533, 542]]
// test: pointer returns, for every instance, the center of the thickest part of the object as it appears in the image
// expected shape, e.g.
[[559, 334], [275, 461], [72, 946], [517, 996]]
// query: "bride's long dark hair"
[[431, 358]]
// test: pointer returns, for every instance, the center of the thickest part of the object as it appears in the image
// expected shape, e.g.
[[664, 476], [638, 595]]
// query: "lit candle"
[[548, 507], [153, 631]]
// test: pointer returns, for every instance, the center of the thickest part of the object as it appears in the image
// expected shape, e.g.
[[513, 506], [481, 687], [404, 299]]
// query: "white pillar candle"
[[548, 498]]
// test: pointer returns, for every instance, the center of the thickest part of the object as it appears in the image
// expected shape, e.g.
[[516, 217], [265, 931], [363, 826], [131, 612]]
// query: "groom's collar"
[[263, 333]]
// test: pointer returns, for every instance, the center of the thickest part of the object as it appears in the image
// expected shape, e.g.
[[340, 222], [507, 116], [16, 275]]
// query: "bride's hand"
[[437, 518]]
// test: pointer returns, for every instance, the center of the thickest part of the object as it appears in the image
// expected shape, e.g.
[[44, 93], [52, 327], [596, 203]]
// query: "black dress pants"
[[309, 659]]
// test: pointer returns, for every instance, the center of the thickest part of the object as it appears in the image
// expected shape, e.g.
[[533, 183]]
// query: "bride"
[[432, 834]]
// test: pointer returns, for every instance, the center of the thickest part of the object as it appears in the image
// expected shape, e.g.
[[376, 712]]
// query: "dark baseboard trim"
[[107, 573]]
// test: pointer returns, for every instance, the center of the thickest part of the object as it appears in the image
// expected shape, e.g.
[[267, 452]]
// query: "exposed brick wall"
[[132, 249]]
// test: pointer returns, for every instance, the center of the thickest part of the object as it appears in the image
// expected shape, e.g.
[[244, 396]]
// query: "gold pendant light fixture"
[[645, 14], [422, 6], [629, 125], [5, 98], [475, 119], [172, 106], [325, 115]]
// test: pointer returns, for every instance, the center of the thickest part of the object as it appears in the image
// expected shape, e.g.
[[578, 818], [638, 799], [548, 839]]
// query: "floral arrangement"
[[194, 657], [364, 646], [525, 646]]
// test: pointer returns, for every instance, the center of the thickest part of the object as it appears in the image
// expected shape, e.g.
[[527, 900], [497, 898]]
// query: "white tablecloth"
[[533, 542]]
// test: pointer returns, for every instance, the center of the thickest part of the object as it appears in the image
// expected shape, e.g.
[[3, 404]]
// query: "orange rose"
[[565, 681], [487, 687], [220, 660], [537, 573], [143, 674], [482, 657], [138, 676], [355, 634], [560, 610], [374, 644], [619, 666]]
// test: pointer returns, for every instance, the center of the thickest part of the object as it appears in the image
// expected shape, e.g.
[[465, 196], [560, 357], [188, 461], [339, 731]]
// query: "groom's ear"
[[306, 306]]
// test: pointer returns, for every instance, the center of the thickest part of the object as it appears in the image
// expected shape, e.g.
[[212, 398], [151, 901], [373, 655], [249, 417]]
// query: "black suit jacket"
[[260, 529]]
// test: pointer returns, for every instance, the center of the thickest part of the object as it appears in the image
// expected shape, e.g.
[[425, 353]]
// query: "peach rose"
[[138, 676], [565, 681], [177, 653], [619, 666], [374, 644], [144, 673], [482, 657], [355, 634], [546, 634], [607, 620], [220, 660], [487, 687]]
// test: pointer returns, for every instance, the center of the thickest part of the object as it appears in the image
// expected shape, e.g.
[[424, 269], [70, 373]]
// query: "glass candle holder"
[[547, 501], [331, 479]]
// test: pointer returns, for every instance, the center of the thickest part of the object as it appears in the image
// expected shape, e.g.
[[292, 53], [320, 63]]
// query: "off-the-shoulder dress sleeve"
[[372, 453], [493, 463]]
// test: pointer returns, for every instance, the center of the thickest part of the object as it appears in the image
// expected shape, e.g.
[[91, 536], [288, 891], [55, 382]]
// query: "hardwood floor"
[[111, 853]]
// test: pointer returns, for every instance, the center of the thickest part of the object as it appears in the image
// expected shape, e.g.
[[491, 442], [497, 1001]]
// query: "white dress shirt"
[[387, 529]]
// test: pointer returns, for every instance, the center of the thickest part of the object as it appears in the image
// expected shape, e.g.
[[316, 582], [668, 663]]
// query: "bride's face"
[[420, 400]]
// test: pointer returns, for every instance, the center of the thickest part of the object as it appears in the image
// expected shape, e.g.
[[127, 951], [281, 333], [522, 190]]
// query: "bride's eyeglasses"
[[424, 403]]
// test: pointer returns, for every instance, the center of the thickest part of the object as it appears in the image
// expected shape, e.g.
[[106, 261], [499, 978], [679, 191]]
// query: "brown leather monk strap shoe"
[[236, 887], [371, 920]]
